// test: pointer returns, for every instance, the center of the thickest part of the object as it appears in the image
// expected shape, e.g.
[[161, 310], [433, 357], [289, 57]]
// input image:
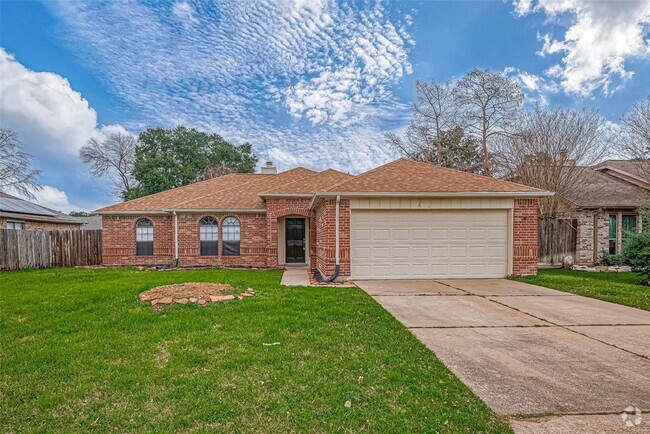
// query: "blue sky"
[[308, 82]]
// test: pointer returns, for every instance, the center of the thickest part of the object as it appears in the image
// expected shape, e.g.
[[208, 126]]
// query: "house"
[[16, 213], [404, 219], [91, 222], [605, 203]]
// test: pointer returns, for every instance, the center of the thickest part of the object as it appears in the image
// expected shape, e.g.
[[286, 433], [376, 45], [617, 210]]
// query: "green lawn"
[[622, 288], [79, 352]]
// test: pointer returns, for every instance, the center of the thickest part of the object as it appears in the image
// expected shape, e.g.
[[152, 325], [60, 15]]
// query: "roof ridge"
[[180, 187], [279, 189], [367, 172], [239, 186], [422, 163]]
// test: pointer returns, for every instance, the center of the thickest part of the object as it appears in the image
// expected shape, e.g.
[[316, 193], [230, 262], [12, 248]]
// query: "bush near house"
[[636, 253]]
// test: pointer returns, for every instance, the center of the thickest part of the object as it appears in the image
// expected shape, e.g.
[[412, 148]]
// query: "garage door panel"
[[428, 243]]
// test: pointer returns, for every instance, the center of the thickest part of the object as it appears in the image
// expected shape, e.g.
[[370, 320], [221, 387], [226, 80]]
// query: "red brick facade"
[[325, 218], [119, 241], [524, 228], [41, 226], [259, 237]]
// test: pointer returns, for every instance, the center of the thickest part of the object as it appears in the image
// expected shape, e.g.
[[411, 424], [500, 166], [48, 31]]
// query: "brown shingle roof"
[[412, 176], [246, 196], [237, 190], [600, 190], [312, 184]]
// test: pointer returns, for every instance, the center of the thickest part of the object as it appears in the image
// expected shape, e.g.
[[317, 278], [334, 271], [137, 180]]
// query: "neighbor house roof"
[[407, 176], [633, 171], [597, 189], [12, 207], [234, 191]]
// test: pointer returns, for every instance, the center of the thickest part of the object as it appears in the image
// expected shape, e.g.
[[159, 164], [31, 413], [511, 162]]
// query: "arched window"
[[144, 237], [209, 236], [230, 230]]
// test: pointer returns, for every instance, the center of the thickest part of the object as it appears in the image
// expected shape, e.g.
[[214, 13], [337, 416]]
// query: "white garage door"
[[414, 244]]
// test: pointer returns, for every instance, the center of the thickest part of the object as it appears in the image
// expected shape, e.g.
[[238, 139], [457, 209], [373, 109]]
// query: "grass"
[[621, 288], [80, 353]]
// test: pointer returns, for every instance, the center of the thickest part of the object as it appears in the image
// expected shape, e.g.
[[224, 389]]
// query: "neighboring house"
[[19, 214], [605, 204], [91, 222], [402, 220]]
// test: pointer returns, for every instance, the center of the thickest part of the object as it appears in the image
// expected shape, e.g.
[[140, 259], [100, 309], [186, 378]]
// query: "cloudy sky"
[[309, 82]]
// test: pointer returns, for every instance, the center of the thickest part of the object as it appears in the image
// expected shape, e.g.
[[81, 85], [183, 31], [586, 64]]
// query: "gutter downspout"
[[175, 263], [336, 225]]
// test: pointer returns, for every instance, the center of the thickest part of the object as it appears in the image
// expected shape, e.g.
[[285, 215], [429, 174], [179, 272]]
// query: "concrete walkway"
[[295, 275], [528, 350]]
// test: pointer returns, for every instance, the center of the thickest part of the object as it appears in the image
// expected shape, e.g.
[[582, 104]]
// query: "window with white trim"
[[230, 234], [209, 236], [144, 237]]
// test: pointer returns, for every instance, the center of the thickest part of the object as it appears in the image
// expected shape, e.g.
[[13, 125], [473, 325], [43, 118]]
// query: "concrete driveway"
[[527, 350]]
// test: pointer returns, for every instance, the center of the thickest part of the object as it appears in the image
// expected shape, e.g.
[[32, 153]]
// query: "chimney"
[[269, 169]]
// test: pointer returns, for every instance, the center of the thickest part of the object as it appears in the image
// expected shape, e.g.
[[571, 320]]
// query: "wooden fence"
[[557, 238], [42, 249]]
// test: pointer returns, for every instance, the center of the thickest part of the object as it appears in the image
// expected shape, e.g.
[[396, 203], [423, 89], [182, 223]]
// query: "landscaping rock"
[[165, 300], [585, 268], [221, 297], [203, 301], [246, 294], [181, 300], [193, 299], [568, 261]]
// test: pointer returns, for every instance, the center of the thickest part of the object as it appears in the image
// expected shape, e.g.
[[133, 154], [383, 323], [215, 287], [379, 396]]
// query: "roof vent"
[[269, 169]]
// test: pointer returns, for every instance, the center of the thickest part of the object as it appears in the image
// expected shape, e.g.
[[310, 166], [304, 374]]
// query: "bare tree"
[[633, 139], [16, 171], [434, 112], [550, 150], [216, 170], [489, 104], [115, 157], [451, 148]]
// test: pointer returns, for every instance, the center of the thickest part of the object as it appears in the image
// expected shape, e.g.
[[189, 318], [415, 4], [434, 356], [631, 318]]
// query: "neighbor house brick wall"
[[326, 235], [278, 208], [41, 226], [119, 241], [524, 250], [590, 245]]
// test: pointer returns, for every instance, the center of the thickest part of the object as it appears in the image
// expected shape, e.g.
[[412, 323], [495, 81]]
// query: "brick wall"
[[119, 241], [41, 226], [524, 251], [326, 234]]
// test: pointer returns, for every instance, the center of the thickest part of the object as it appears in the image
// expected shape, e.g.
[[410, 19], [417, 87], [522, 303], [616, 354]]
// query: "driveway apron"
[[529, 351]]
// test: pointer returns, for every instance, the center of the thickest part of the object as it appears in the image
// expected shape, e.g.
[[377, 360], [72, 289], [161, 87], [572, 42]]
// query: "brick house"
[[16, 213], [605, 204], [402, 220]]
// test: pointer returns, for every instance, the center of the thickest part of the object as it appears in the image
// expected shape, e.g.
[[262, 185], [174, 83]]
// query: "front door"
[[295, 235]]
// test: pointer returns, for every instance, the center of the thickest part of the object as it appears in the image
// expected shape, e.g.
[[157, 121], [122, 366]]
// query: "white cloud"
[[44, 110], [536, 88], [601, 36], [184, 12], [307, 75]]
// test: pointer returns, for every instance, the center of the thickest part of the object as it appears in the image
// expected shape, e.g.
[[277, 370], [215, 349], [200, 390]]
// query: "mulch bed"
[[191, 292]]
